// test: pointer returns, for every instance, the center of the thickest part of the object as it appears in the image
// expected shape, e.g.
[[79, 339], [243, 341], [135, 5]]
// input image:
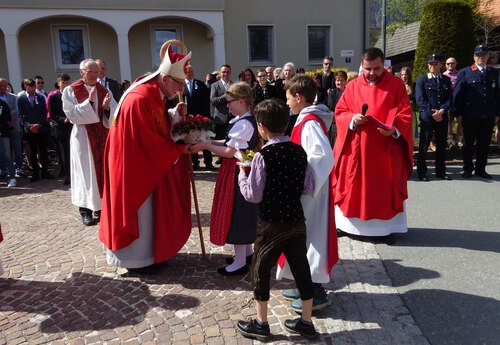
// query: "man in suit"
[[40, 83], [218, 100], [477, 103], [33, 114], [109, 83], [197, 98], [15, 130], [433, 95]]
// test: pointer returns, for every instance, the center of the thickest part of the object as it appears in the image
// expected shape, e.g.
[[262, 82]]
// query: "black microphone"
[[364, 108]]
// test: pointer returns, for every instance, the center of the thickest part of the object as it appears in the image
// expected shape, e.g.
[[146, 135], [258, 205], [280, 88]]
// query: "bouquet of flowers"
[[192, 130], [245, 159]]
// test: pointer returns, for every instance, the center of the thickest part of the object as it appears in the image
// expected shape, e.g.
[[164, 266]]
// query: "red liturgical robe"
[[371, 169], [143, 161]]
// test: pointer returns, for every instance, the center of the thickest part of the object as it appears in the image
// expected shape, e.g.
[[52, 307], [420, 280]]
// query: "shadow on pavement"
[[88, 302], [449, 308], [406, 275], [485, 241], [456, 309]]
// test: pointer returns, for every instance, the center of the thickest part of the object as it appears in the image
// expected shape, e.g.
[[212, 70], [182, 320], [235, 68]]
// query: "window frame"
[[56, 44], [329, 40], [272, 52], [155, 55]]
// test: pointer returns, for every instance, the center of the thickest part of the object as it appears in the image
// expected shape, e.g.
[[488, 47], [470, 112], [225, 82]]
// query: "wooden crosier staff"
[[191, 173]]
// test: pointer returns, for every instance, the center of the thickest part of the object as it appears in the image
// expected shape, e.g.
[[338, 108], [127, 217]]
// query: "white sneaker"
[[12, 183]]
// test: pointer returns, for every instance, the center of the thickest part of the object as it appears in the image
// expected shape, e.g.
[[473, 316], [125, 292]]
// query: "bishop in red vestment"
[[373, 153], [146, 214]]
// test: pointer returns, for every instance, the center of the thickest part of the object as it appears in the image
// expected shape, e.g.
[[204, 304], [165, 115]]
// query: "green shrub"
[[446, 29]]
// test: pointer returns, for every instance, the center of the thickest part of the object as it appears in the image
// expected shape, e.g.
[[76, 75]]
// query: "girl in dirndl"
[[233, 219]]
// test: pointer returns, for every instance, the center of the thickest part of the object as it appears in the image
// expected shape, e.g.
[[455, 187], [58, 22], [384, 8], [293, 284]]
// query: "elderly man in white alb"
[[88, 106]]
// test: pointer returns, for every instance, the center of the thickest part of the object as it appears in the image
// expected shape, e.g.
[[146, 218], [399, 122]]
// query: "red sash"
[[96, 132], [333, 253]]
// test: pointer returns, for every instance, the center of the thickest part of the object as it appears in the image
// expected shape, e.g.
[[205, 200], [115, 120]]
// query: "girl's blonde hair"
[[241, 90]]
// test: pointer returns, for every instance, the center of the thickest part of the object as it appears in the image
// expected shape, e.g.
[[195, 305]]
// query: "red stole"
[[96, 132], [333, 254]]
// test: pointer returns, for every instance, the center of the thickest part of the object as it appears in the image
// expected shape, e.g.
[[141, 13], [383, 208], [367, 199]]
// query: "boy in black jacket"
[[279, 176]]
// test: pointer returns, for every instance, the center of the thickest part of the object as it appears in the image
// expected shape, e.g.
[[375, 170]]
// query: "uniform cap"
[[481, 49], [434, 58]]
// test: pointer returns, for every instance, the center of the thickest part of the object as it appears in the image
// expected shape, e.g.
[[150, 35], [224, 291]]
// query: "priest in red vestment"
[[146, 213], [373, 152]]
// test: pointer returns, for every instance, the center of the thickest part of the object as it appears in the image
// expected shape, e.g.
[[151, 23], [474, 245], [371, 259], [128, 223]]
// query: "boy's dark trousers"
[[272, 240]]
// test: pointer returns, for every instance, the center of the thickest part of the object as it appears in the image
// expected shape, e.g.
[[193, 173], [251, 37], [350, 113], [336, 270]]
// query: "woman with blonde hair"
[[233, 219], [406, 76]]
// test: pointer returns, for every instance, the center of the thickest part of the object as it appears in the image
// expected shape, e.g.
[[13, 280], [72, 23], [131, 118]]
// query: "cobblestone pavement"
[[58, 289]]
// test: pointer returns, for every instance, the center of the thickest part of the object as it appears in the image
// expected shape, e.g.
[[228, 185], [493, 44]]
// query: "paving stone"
[[58, 289]]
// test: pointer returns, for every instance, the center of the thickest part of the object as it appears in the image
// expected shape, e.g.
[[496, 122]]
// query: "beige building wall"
[[4, 73], [194, 36], [290, 25], [37, 55], [289, 18]]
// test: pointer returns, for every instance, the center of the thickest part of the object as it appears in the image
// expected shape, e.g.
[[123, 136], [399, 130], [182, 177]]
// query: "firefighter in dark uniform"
[[433, 94], [477, 103]]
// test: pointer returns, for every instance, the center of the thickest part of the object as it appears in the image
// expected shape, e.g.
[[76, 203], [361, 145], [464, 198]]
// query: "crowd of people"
[[334, 152]]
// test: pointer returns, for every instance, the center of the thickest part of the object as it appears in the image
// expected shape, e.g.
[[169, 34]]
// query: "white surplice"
[[320, 159], [84, 188]]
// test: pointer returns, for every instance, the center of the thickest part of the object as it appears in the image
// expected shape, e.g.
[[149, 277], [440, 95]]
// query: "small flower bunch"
[[247, 156], [193, 129]]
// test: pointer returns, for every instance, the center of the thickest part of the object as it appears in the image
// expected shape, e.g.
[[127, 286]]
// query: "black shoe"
[[240, 271], [443, 177], [196, 167], [211, 168], [248, 260], [389, 239], [483, 174], [340, 233], [35, 177], [87, 219], [151, 269], [467, 174], [423, 178], [218, 161], [97, 216], [48, 176], [298, 326], [251, 329]]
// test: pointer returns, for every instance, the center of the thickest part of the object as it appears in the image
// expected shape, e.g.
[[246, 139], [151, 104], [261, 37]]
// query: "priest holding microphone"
[[373, 153]]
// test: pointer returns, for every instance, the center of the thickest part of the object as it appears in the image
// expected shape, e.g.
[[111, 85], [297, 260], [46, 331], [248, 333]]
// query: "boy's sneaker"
[[320, 300], [304, 329], [12, 183], [291, 294], [252, 329]]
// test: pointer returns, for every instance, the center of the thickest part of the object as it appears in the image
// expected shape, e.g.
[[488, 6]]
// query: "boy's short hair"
[[274, 114], [303, 85]]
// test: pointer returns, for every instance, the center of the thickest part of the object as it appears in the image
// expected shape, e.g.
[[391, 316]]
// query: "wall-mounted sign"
[[347, 53]]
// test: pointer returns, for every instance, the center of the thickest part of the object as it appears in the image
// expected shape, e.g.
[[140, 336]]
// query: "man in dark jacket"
[[33, 114], [477, 103], [434, 96]]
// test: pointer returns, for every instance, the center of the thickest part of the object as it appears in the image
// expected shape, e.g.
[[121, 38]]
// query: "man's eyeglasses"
[[229, 101], [327, 63], [40, 82], [179, 83], [261, 76], [450, 63]]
